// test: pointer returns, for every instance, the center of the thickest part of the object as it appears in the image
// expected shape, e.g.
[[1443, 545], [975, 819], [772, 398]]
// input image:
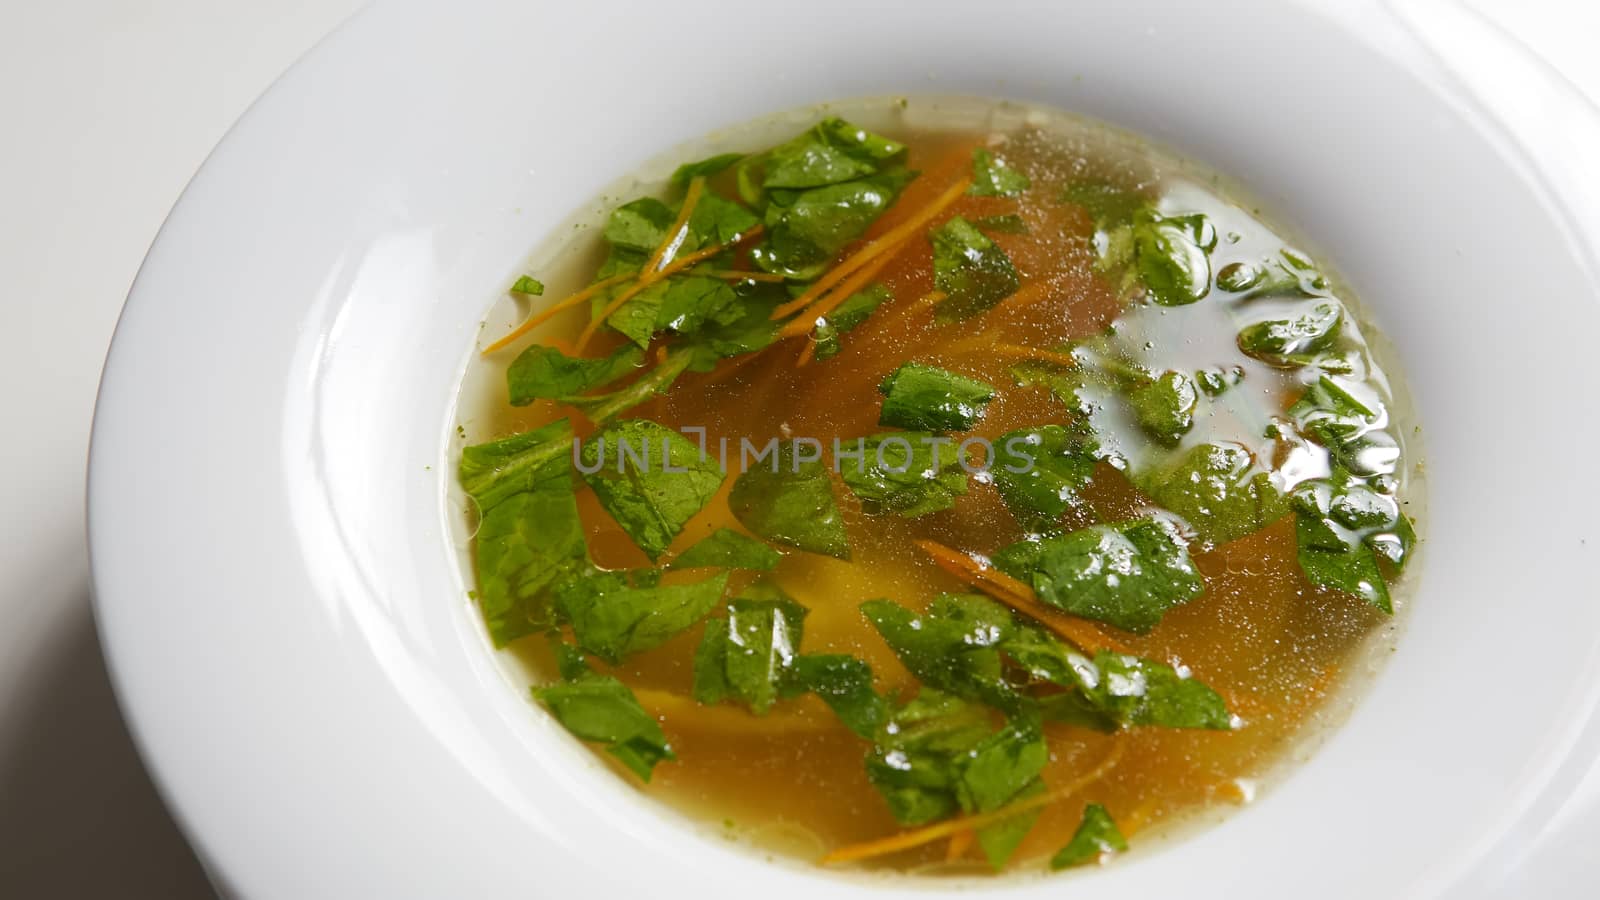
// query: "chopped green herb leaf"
[[845, 684], [601, 709], [991, 177], [927, 398], [680, 304], [1173, 256], [1097, 837], [650, 479], [846, 317], [704, 168], [939, 756], [1040, 472], [614, 616], [728, 549], [494, 471], [833, 151], [1165, 406], [745, 656], [531, 287], [971, 270], [1127, 575], [1295, 341], [525, 544], [545, 373], [789, 500], [1220, 490], [906, 473], [806, 228]]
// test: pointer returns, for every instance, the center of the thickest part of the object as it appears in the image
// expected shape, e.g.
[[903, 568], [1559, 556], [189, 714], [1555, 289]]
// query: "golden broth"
[[1276, 647]]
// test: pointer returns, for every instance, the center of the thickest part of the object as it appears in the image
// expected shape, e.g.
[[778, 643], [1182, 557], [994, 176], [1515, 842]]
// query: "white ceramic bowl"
[[277, 588]]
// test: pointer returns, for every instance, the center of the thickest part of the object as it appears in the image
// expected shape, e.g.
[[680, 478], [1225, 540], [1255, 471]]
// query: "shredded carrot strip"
[[649, 278], [960, 843], [889, 241], [1020, 597], [545, 314], [908, 839], [680, 226], [809, 318]]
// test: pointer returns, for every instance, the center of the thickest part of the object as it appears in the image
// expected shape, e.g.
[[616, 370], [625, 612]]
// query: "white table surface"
[[106, 109]]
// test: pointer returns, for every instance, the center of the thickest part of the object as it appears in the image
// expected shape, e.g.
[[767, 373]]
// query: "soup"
[[938, 498]]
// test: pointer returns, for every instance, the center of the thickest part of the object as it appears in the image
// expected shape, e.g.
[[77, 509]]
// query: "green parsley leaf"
[[704, 168], [545, 373], [1040, 473], [1165, 406], [1351, 430], [805, 229], [953, 647], [1173, 255], [830, 152], [939, 756], [496, 470], [745, 656], [650, 479], [601, 709], [531, 287], [845, 684], [639, 225], [971, 270], [1132, 690], [614, 616], [789, 500], [1293, 342], [1343, 528], [681, 304], [524, 545], [991, 177], [742, 327], [906, 473], [1097, 837], [1108, 205], [1000, 840], [927, 398], [1127, 574], [846, 317], [728, 549], [1220, 490]]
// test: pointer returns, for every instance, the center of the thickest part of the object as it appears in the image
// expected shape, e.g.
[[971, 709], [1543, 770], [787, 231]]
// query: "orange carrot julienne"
[[675, 266], [960, 843], [809, 318], [908, 839], [1020, 597], [890, 240], [680, 226], [545, 314]]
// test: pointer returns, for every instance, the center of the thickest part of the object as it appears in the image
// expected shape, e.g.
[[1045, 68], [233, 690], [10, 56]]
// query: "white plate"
[[276, 586]]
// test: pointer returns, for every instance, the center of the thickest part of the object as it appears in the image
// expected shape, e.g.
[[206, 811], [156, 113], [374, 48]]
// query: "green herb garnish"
[[927, 398], [650, 479], [1096, 838], [1127, 575], [971, 270], [905, 473], [788, 499]]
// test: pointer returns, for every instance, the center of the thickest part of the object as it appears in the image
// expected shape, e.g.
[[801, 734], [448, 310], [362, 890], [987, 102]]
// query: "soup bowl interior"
[[280, 587]]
